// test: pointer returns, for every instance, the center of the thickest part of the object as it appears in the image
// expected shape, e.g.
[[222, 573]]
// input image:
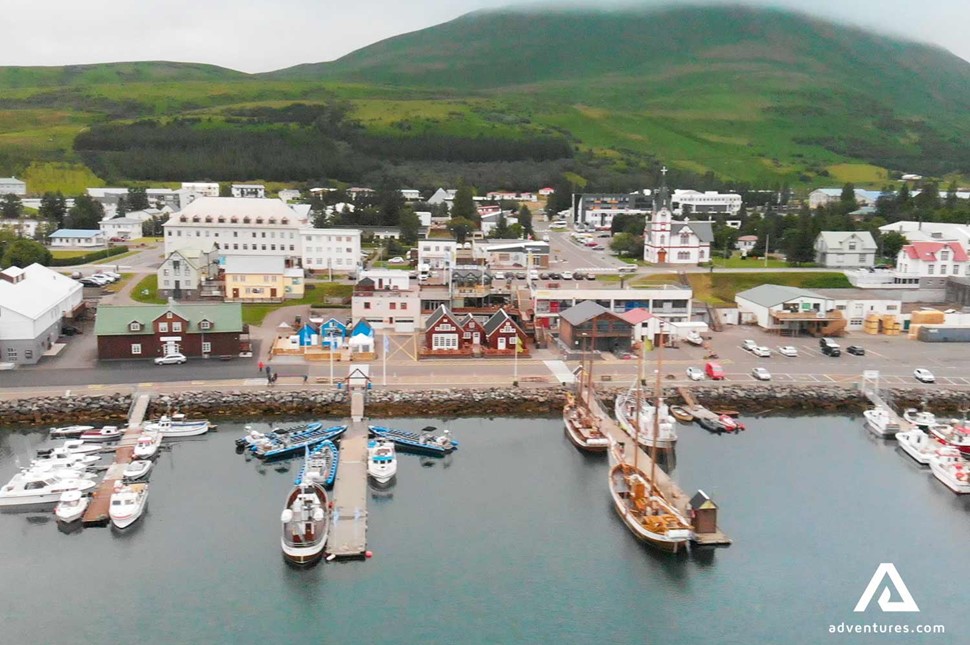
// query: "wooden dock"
[[695, 408], [877, 400], [97, 513], [348, 530]]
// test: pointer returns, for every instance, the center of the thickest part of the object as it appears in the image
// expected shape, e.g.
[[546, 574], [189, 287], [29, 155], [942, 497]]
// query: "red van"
[[714, 371]]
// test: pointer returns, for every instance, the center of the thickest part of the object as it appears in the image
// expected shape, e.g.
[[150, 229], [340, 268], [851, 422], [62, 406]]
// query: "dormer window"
[[246, 220], [222, 220], [195, 219], [183, 219], [944, 255], [205, 325], [208, 219], [284, 221], [259, 220], [234, 220], [134, 325]]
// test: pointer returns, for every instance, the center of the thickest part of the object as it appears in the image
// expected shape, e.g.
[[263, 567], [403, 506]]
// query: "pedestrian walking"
[[275, 376], [305, 377], [269, 379], [260, 366]]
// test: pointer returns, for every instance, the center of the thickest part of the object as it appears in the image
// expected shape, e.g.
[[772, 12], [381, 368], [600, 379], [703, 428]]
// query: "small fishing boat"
[[921, 446], [72, 447], [147, 445], [176, 426], [694, 338], [381, 460], [957, 436], [275, 447], [920, 418], [727, 413], [711, 424], [881, 422], [68, 459], [953, 471], [67, 471], [252, 436], [306, 523], [69, 431], [137, 469], [107, 433], [681, 413], [321, 464], [582, 426], [426, 443], [127, 504], [730, 423], [29, 488], [71, 506]]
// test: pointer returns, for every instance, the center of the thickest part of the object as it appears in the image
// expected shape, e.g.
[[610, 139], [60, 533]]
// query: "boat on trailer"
[[426, 443]]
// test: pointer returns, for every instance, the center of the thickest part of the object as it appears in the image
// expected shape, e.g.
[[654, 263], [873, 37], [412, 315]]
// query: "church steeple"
[[662, 198]]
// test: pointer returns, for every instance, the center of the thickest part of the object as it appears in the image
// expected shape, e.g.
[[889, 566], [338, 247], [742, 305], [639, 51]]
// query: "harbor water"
[[512, 539]]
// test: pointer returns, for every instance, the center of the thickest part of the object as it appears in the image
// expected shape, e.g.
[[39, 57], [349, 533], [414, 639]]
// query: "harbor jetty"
[[348, 529], [97, 512]]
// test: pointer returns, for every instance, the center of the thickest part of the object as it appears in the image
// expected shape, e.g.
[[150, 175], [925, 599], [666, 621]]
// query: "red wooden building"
[[501, 332], [442, 331], [150, 331], [472, 331]]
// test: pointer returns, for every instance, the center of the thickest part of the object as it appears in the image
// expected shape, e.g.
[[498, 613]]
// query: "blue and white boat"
[[254, 436], [274, 447], [381, 461], [425, 443], [321, 464]]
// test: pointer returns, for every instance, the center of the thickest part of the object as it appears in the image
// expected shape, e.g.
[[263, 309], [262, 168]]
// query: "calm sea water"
[[511, 540]]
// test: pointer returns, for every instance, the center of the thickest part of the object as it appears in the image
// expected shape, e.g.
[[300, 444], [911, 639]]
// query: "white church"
[[670, 241]]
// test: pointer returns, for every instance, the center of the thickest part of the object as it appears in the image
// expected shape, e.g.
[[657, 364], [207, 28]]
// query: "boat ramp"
[[348, 531], [97, 513]]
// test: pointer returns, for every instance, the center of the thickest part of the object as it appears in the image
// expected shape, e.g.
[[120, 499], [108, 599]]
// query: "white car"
[[749, 344], [397, 260], [533, 275], [695, 373], [788, 350], [567, 275], [925, 376], [170, 359], [104, 276], [762, 352], [761, 374]]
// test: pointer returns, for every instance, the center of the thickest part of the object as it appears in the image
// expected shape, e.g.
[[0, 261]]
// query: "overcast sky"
[[263, 35]]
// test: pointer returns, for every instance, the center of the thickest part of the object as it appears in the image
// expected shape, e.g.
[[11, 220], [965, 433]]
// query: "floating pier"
[[97, 513], [348, 529], [695, 408]]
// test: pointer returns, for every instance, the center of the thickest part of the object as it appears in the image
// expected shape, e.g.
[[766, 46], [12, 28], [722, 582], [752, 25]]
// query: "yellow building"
[[261, 279]]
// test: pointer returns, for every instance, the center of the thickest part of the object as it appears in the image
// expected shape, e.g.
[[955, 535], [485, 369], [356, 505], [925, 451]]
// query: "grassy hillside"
[[739, 94]]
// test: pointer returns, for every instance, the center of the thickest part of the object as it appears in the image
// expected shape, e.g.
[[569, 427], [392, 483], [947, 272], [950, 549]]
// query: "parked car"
[[923, 375], [714, 371], [170, 359], [555, 275], [520, 275], [578, 275], [695, 373], [590, 276], [833, 351], [91, 282], [761, 374], [544, 276], [69, 330], [788, 350], [104, 276], [533, 275], [749, 344], [397, 260], [856, 350], [762, 352], [567, 275]]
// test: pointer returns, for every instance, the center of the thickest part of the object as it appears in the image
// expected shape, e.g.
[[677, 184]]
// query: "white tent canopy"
[[362, 341]]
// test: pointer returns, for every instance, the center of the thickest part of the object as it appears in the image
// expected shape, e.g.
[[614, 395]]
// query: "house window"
[[28, 354], [135, 349], [163, 327], [205, 324], [393, 306], [852, 246], [685, 238], [944, 255], [404, 306], [135, 326], [862, 258], [11, 354], [176, 326], [444, 341], [366, 304], [206, 347], [930, 269]]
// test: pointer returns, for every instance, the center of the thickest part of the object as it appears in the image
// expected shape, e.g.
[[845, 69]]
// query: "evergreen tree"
[[463, 206], [461, 228], [122, 208], [800, 241], [847, 200], [409, 224], [53, 208], [951, 196], [137, 199], [23, 252], [501, 230], [85, 214], [10, 206], [525, 220]]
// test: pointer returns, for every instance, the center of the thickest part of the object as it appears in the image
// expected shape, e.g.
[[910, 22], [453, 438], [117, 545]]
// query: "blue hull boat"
[[295, 443], [248, 440], [320, 466], [419, 444]]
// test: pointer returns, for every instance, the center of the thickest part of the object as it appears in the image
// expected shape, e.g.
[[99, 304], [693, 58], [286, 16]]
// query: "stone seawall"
[[489, 402]]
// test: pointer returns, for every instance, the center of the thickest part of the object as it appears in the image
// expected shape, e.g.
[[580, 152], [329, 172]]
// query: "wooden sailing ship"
[[637, 499], [581, 425]]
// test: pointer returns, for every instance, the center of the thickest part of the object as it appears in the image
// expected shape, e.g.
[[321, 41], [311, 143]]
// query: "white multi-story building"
[[336, 249], [437, 254], [670, 241], [931, 232], [598, 210], [33, 303], [932, 259], [21, 227], [127, 228], [257, 191], [844, 249], [12, 186], [685, 202], [202, 188], [825, 196], [237, 226]]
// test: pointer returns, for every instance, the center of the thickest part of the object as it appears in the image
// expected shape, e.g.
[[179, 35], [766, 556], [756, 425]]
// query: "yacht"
[[107, 433], [175, 426], [881, 422], [71, 506], [381, 461], [921, 446], [28, 488], [71, 446], [953, 471], [305, 523], [127, 504]]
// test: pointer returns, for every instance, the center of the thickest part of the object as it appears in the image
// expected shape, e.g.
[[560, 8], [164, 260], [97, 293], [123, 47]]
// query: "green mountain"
[[733, 94]]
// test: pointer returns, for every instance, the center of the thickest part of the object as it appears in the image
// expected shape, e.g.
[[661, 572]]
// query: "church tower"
[[656, 234]]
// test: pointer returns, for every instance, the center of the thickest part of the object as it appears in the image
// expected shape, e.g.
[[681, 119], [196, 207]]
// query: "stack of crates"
[[924, 317], [890, 325], [871, 324]]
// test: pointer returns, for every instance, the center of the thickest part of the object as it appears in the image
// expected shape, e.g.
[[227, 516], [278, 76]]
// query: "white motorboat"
[[127, 504], [28, 488], [71, 506], [171, 427], [72, 446], [137, 469], [381, 461], [68, 459], [107, 433], [694, 338], [881, 422], [921, 446], [953, 471], [920, 418], [625, 409], [957, 436], [147, 445], [69, 431], [306, 523]]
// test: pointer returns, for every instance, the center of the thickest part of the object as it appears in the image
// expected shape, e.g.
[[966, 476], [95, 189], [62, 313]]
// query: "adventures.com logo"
[[888, 579]]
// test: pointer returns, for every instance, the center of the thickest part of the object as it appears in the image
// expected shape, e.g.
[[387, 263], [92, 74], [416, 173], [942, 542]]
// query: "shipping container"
[[935, 334]]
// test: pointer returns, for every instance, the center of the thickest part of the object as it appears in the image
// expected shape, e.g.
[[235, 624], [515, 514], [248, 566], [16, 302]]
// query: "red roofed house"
[[500, 333], [442, 332], [932, 259], [472, 331], [645, 324]]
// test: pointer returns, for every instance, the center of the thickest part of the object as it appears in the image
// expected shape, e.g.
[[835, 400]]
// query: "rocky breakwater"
[[65, 410]]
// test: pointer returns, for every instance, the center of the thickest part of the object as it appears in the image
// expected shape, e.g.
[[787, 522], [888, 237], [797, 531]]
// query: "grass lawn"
[[737, 262], [117, 286], [382, 264], [70, 253], [143, 240], [720, 289], [146, 291], [253, 314], [114, 258]]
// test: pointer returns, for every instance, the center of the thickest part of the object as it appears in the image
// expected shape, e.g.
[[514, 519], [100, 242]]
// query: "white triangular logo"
[[906, 602]]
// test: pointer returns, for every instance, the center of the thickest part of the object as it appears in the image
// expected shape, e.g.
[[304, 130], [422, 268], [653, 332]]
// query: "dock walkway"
[[348, 531], [97, 513]]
